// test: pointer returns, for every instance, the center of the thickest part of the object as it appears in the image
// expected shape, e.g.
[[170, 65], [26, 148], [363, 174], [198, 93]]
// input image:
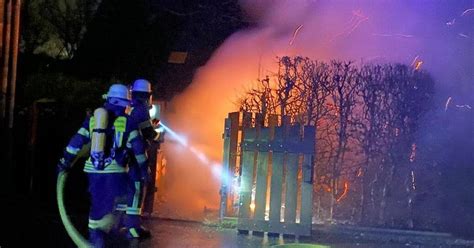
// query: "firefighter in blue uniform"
[[113, 138], [141, 104]]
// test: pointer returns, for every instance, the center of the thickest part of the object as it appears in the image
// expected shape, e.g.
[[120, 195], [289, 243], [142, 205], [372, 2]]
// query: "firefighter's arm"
[[76, 146], [147, 128], [137, 145]]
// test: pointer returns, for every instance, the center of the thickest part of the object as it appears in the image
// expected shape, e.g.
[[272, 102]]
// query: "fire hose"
[[73, 233]]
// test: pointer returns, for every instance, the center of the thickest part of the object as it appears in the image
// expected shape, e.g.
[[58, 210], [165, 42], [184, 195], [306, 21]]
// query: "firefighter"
[[113, 138], [141, 104]]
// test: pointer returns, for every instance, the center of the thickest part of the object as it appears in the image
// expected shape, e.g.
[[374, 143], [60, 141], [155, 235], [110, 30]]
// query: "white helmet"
[[141, 85], [118, 95]]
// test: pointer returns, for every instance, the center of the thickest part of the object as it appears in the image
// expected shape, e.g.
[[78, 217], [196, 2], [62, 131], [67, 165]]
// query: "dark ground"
[[26, 223]]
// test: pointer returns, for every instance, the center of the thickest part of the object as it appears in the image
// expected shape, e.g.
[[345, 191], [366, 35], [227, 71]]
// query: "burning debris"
[[447, 103], [467, 11], [295, 34]]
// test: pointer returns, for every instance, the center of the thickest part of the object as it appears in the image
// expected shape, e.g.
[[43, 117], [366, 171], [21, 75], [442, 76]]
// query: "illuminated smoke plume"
[[367, 31]]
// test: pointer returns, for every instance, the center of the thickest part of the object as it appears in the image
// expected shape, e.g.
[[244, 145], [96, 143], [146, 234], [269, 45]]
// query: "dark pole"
[[6, 59], [16, 36]]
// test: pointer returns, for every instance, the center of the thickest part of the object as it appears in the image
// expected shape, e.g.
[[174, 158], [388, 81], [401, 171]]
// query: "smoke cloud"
[[438, 33]]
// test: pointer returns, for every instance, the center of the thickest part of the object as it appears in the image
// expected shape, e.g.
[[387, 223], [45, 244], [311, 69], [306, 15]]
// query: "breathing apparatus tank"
[[98, 138]]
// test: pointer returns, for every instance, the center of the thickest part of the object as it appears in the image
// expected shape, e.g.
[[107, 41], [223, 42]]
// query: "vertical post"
[[246, 183], [225, 169], [262, 171], [234, 168], [291, 177], [6, 59], [16, 36], [2, 14], [306, 209], [246, 171], [277, 177]]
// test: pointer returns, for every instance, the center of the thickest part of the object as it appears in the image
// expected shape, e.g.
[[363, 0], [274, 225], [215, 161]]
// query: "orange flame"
[[344, 193], [418, 65]]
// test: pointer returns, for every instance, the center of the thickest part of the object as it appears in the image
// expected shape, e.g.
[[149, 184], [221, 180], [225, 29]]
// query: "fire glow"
[[355, 31]]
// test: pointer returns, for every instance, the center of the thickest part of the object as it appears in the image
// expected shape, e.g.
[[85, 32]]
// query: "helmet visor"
[[118, 101]]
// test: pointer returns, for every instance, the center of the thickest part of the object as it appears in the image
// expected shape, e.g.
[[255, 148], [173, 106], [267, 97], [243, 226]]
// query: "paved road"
[[27, 222], [168, 233]]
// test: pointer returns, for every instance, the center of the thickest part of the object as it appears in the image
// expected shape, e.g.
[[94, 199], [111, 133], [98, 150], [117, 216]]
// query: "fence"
[[268, 174]]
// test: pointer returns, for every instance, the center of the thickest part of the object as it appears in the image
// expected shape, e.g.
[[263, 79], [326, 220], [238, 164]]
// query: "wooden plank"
[[225, 180], [261, 185], [272, 123], [259, 120], [246, 120], [246, 178], [291, 178], [233, 133], [277, 175], [291, 183], [276, 186], [306, 213], [246, 172], [233, 168], [261, 173]]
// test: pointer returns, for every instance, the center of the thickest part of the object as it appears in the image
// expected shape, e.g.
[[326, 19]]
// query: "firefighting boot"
[[134, 228], [140, 233]]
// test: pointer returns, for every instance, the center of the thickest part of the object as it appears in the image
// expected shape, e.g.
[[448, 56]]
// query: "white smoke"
[[368, 31]]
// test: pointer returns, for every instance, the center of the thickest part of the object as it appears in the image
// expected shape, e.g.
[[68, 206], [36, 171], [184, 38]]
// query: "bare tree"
[[344, 79], [366, 120]]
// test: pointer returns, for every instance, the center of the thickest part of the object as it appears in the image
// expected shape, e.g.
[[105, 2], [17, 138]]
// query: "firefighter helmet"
[[118, 95], [141, 85]]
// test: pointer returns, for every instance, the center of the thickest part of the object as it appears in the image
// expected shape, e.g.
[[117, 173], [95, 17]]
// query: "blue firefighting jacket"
[[140, 115], [123, 133]]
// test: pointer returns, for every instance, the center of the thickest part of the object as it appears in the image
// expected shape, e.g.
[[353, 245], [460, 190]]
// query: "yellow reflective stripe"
[[133, 134], [120, 124], [136, 195], [133, 232], [121, 207], [141, 158], [91, 123], [144, 125], [84, 132], [72, 150], [103, 224], [134, 211], [93, 224]]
